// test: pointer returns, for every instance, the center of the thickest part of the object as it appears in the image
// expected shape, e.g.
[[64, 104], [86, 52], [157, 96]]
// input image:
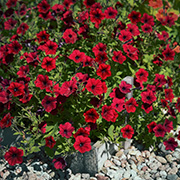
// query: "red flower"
[[82, 144], [14, 47], [43, 82], [77, 56], [141, 75], [104, 71], [96, 16], [131, 105], [171, 112], [11, 3], [118, 104], [42, 127], [48, 64], [127, 131], [164, 36], [164, 103], [96, 102], [125, 87], [170, 144], [4, 97], [110, 13], [59, 163], [125, 35], [82, 132], [148, 97], [66, 130], [43, 7], [135, 17], [101, 57], [160, 80], [169, 81], [9, 24], [131, 51], [70, 36], [109, 114], [178, 105], [58, 8], [168, 125], [169, 20], [117, 93], [14, 156], [169, 94], [16, 89], [42, 36], [23, 71], [6, 121], [168, 54], [147, 107], [68, 87], [88, 3], [118, 57], [146, 19], [159, 130], [151, 88], [67, 3], [50, 142], [49, 103], [88, 61], [46, 16], [99, 48], [33, 59], [151, 126], [91, 115], [133, 29], [22, 28], [146, 28], [157, 61]]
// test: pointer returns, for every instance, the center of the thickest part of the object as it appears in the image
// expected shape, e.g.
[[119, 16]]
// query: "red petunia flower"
[[133, 29], [32, 59], [67, 3], [16, 89], [5, 97], [68, 18], [147, 107], [125, 35], [168, 125], [169, 94], [58, 8], [169, 81], [146, 28], [81, 132], [147, 19], [48, 64], [131, 51], [70, 36], [104, 71], [22, 28], [171, 112], [49, 103], [14, 156], [99, 48], [6, 121], [169, 21], [131, 105], [148, 97], [66, 130], [94, 86], [178, 105], [168, 54], [141, 75], [135, 17], [42, 127], [118, 104], [77, 56], [10, 24], [42, 36], [96, 102], [23, 71], [82, 144], [117, 93], [110, 13], [50, 142], [159, 130], [118, 57], [151, 88], [127, 131], [88, 3], [14, 47], [43, 7], [109, 114], [88, 61], [43, 82], [46, 16], [164, 36], [160, 80], [164, 103], [125, 87], [151, 126], [91, 115], [101, 57], [157, 61], [170, 144], [11, 3], [59, 163]]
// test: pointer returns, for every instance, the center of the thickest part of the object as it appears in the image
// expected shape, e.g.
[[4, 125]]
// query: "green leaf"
[[35, 149], [110, 131], [49, 152]]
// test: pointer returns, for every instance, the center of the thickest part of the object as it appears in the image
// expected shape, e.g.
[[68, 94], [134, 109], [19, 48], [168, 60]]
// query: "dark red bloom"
[[88, 61], [59, 163], [157, 61], [133, 29], [118, 104], [68, 18], [23, 71], [178, 105], [6, 121], [125, 87], [135, 17], [84, 29], [171, 112], [141, 75], [164, 103], [32, 58], [125, 35], [94, 86], [77, 56], [147, 19], [49, 103], [169, 94], [170, 144], [160, 80], [58, 8], [131, 105], [117, 93], [48, 64], [151, 126], [104, 71], [50, 142], [99, 48], [147, 107], [67, 3], [110, 13], [169, 81], [14, 47], [70, 36], [131, 51], [101, 57], [42, 36], [82, 132], [4, 97], [127, 131], [168, 125], [10, 24], [168, 54], [169, 21], [164, 36], [88, 3], [148, 97], [42, 127], [118, 57], [109, 114], [91, 115], [146, 28], [66, 130], [159, 130], [43, 82], [22, 28], [11, 3], [46, 16], [43, 7], [82, 144], [16, 89], [14, 156], [96, 102]]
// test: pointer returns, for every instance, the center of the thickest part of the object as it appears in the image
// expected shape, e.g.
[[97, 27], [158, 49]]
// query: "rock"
[[119, 173], [169, 158], [172, 177], [104, 170], [145, 168], [100, 177], [52, 174], [173, 170], [140, 159], [45, 166], [114, 167], [6, 174], [128, 156], [120, 153], [123, 163], [137, 178], [85, 176], [111, 173], [77, 176], [45, 176], [147, 175], [72, 177], [127, 174], [116, 162], [157, 174], [93, 178], [161, 159], [134, 152], [133, 173], [108, 163], [134, 159], [123, 157], [134, 167], [163, 174], [154, 164], [152, 155]]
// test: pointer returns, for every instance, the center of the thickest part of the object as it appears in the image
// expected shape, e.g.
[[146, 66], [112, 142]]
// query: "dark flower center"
[[148, 97], [110, 13], [48, 63], [93, 86], [43, 37], [134, 17], [77, 57], [81, 144], [15, 48], [65, 131], [50, 47], [97, 15], [15, 89], [44, 7], [167, 54], [141, 74], [117, 57], [14, 155], [48, 102], [70, 35]]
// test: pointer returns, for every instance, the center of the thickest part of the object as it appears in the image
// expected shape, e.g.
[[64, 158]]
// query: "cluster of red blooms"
[[47, 46]]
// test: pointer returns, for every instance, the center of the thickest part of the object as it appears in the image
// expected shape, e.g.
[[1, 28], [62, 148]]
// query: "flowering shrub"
[[63, 65]]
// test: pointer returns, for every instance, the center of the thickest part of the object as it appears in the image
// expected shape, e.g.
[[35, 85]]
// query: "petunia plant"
[[63, 70]]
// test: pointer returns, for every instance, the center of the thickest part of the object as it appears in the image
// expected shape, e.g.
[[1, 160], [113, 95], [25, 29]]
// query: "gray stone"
[[133, 173], [122, 157], [77, 176], [52, 174], [147, 175], [85, 176], [137, 178], [93, 178], [111, 173], [45, 176], [169, 158], [173, 170], [116, 162], [163, 174], [172, 177], [127, 174], [161, 159]]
